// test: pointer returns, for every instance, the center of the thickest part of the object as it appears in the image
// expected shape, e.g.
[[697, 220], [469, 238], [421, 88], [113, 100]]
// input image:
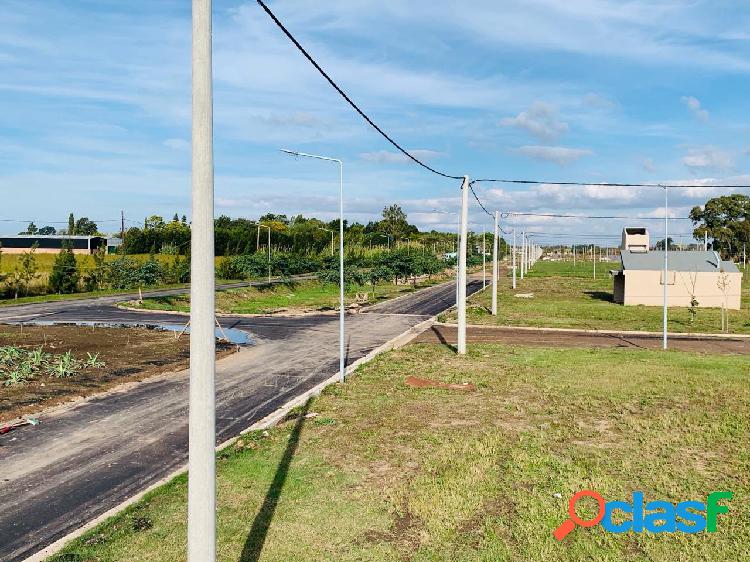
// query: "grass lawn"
[[293, 295], [386, 472], [568, 297]]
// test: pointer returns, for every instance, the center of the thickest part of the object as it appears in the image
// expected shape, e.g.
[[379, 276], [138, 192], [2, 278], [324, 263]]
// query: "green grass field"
[[568, 297], [290, 296], [386, 472]]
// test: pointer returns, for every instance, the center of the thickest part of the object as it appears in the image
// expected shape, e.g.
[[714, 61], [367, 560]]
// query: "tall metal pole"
[[666, 264], [495, 245], [514, 258], [523, 254], [462, 251], [342, 347], [202, 432]]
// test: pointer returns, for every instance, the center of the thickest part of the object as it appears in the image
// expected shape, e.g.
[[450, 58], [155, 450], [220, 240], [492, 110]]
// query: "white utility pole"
[[666, 264], [201, 528], [462, 251], [523, 253], [342, 347], [705, 240], [495, 268], [514, 258]]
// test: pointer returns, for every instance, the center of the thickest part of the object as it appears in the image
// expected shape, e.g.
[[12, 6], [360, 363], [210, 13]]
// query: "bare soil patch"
[[551, 338], [128, 354]]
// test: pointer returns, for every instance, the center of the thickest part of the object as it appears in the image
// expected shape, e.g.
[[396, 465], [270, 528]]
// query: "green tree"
[[394, 222], [47, 231], [96, 278], [71, 224], [85, 227], [726, 220], [31, 229], [64, 277], [24, 272], [670, 244]]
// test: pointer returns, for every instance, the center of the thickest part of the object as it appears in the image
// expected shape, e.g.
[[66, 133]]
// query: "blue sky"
[[96, 106]]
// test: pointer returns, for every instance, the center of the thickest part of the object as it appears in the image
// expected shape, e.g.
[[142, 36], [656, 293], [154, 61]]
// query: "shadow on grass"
[[600, 295], [257, 537]]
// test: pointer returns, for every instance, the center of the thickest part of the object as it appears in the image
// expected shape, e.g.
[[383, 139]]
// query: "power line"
[[348, 99], [603, 184], [56, 222], [557, 215], [443, 174]]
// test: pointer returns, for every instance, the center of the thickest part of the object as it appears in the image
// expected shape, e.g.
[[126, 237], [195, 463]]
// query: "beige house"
[[699, 275]]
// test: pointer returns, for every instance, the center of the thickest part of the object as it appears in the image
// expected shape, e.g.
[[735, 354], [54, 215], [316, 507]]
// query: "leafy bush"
[[352, 276], [127, 273], [256, 265], [64, 277]]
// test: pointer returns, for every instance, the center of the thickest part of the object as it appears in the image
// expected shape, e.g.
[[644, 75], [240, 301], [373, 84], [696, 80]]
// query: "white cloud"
[[648, 165], [708, 157], [694, 105], [540, 120], [599, 101], [558, 154], [389, 157]]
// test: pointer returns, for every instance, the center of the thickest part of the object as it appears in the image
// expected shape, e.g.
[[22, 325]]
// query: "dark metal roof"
[[678, 261]]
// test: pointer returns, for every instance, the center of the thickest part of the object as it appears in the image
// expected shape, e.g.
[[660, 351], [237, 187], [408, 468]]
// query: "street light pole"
[[514, 258], [342, 361], [666, 265], [201, 527], [494, 266]]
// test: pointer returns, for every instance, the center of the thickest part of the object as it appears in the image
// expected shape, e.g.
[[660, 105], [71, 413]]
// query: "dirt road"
[[579, 338]]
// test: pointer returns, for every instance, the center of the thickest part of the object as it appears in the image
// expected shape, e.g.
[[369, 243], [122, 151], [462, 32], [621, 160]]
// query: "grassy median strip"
[[563, 296], [294, 296], [378, 471]]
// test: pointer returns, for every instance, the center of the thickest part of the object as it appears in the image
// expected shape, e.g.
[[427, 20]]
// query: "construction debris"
[[15, 425]]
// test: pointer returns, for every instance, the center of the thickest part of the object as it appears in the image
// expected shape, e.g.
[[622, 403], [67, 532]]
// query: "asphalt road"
[[82, 460]]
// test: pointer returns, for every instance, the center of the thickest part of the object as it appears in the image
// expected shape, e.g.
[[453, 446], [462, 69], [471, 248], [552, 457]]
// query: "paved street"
[[89, 457]]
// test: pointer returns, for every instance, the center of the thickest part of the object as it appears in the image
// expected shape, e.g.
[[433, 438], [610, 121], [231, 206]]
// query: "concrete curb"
[[266, 422], [680, 335]]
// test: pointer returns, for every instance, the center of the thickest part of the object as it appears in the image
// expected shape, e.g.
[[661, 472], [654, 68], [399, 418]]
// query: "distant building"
[[51, 244], [701, 275], [113, 245]]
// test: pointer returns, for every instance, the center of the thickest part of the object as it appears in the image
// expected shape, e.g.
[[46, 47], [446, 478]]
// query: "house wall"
[[619, 288], [645, 288]]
